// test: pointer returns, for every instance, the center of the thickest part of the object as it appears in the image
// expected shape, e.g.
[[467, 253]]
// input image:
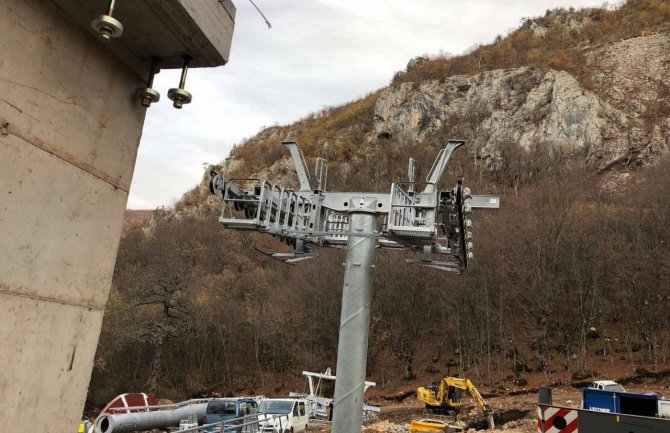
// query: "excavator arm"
[[483, 405], [440, 397]]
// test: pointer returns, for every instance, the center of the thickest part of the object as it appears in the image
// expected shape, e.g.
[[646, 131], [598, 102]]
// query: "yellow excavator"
[[445, 397]]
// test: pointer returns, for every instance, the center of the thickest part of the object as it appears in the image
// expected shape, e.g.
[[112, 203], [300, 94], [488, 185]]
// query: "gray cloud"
[[318, 53]]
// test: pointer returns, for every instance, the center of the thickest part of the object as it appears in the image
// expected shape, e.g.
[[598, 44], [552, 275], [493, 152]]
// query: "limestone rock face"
[[621, 112], [619, 115]]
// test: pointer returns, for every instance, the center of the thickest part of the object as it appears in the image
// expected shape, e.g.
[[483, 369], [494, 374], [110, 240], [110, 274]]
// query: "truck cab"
[[607, 385], [220, 410]]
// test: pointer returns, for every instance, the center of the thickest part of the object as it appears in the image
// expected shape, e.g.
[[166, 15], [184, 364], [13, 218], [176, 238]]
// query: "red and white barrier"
[[551, 419]]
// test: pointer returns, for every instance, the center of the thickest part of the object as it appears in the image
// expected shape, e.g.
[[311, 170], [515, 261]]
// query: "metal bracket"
[[415, 215], [442, 266], [289, 258], [427, 261], [299, 164], [321, 173], [441, 163]]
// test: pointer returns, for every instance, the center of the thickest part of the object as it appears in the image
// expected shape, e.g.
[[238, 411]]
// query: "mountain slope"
[[566, 117], [624, 112]]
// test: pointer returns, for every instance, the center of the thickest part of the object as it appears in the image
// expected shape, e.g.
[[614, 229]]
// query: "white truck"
[[664, 408], [610, 385], [607, 385], [282, 415]]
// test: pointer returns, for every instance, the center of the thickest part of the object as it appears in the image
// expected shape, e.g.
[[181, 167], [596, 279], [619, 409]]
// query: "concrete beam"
[[70, 126], [69, 131], [167, 29]]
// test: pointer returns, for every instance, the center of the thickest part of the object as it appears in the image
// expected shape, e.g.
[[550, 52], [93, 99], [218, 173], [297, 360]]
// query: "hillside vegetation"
[[571, 278], [558, 41]]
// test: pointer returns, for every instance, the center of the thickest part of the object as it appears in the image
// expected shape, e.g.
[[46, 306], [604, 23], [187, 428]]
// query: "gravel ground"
[[514, 414]]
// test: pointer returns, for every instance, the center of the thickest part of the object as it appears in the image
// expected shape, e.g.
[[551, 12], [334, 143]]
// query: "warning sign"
[[557, 420]]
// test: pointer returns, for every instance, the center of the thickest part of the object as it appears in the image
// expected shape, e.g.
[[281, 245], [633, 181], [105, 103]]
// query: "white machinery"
[[320, 406]]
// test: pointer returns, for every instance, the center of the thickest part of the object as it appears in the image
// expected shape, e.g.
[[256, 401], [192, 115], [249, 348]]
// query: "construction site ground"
[[515, 408], [513, 414]]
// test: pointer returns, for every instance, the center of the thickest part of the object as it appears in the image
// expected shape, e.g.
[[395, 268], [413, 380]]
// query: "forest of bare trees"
[[571, 278]]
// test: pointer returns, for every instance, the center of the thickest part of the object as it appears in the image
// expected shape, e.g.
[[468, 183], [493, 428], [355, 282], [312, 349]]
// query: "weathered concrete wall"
[[69, 131]]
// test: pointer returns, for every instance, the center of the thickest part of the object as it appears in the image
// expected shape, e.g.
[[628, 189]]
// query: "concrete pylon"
[[70, 126]]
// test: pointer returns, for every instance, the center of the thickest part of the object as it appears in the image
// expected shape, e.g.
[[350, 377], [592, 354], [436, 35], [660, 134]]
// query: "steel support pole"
[[352, 348]]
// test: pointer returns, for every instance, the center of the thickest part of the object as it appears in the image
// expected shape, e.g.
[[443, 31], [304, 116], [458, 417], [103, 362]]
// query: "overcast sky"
[[317, 53]]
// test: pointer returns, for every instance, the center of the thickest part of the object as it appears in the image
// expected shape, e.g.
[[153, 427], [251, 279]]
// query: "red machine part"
[[137, 400]]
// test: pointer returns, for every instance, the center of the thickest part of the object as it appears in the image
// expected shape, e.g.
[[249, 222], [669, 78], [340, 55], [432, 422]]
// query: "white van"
[[283, 415]]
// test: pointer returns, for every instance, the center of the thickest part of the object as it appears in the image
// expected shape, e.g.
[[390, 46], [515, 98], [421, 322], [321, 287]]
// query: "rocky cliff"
[[623, 112], [583, 86]]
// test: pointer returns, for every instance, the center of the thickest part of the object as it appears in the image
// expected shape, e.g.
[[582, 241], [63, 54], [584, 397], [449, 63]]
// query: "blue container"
[[630, 403]]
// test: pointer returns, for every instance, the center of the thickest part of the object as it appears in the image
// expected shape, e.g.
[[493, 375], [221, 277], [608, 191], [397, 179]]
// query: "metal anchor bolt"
[[148, 95], [107, 26], [180, 96]]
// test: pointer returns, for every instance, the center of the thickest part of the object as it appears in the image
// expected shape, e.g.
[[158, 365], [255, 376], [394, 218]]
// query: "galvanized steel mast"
[[352, 347], [417, 217]]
